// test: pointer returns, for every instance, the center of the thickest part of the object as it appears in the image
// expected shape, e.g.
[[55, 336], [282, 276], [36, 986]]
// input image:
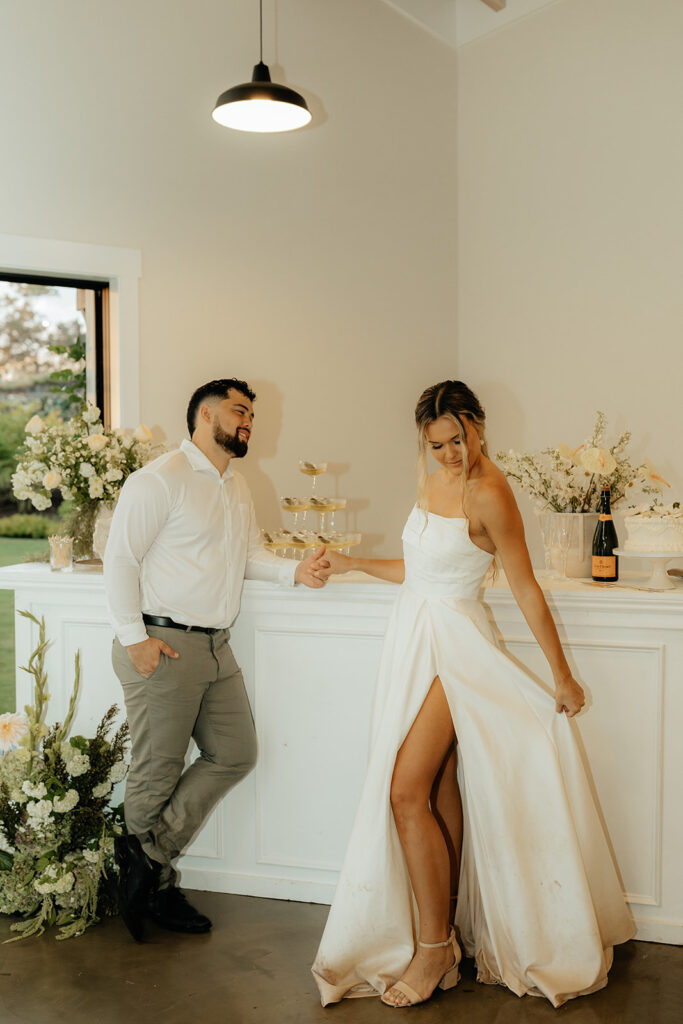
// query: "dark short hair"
[[215, 389]]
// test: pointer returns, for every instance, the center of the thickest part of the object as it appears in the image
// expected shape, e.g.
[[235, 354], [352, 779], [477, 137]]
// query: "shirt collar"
[[199, 461]]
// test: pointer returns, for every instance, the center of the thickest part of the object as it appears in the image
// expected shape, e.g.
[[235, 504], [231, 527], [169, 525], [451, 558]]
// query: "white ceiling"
[[457, 22]]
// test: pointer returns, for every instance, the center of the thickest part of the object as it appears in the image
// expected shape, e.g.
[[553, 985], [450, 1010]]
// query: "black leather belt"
[[163, 620]]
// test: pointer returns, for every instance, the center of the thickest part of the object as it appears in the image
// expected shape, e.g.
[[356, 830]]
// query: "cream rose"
[[52, 479], [34, 425], [96, 442]]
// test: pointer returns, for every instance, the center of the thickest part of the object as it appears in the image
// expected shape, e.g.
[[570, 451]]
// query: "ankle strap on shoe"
[[436, 945]]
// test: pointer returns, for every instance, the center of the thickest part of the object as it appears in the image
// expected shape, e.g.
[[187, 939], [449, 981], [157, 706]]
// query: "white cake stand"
[[660, 579]]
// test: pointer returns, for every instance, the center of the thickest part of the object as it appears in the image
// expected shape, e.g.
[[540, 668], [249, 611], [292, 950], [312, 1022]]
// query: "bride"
[[475, 786]]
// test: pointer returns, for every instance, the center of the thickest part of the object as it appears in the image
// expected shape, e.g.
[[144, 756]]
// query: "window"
[[54, 349]]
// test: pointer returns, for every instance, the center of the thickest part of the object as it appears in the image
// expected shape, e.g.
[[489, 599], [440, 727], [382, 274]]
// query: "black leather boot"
[[170, 909], [138, 878]]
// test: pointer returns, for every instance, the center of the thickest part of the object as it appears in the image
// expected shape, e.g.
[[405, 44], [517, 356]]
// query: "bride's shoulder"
[[491, 489]]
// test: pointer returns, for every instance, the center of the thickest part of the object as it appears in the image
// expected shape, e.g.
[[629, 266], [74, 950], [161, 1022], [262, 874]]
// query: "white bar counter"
[[309, 660]]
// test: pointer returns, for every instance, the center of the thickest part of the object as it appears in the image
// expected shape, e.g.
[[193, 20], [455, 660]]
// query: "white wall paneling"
[[309, 661]]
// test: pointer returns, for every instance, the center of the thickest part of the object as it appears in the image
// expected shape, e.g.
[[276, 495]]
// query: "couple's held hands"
[[146, 655], [314, 570], [569, 696]]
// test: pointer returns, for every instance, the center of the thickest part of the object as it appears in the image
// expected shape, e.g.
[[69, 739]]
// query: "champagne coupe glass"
[[563, 530], [350, 541], [545, 520], [296, 506], [312, 469]]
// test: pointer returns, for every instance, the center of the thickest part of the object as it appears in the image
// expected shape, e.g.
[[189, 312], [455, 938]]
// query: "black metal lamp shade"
[[261, 105]]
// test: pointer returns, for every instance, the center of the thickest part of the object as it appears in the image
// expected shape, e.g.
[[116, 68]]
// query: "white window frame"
[[121, 269]]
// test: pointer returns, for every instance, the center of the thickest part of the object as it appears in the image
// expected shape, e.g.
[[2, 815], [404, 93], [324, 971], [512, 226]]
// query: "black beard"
[[230, 442]]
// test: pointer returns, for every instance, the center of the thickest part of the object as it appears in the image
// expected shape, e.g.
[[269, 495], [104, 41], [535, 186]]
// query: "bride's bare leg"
[[447, 809], [417, 764]]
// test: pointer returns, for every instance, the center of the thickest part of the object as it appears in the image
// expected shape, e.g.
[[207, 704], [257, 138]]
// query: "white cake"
[[654, 529]]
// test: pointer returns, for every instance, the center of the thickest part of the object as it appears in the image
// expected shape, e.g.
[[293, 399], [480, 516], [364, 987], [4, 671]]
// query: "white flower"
[[142, 433], [92, 856], [40, 501], [66, 803], [12, 727], [38, 812], [113, 474], [91, 414], [96, 442], [37, 792], [34, 425], [102, 789], [77, 763], [18, 797], [4, 845], [650, 475], [87, 469], [66, 493], [52, 479], [118, 771], [51, 881], [65, 883], [598, 460], [95, 487]]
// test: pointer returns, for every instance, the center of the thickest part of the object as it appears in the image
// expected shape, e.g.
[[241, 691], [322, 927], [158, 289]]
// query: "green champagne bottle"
[[605, 564]]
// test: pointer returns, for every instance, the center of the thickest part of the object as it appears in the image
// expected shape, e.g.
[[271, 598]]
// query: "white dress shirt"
[[182, 540]]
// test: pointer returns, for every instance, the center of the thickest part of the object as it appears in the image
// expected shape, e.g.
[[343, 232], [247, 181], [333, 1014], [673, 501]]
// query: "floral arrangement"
[[56, 826], [85, 461], [566, 479]]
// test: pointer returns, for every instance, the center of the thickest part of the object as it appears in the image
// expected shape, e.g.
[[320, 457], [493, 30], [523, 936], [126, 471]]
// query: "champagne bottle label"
[[604, 518], [604, 565]]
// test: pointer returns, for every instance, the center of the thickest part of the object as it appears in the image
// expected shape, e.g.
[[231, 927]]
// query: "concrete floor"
[[254, 968]]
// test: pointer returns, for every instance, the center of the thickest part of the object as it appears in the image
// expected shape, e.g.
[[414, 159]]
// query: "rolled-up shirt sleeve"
[[139, 516], [263, 564]]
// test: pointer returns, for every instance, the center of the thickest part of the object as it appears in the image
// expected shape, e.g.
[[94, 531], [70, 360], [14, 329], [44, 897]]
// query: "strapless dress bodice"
[[440, 558]]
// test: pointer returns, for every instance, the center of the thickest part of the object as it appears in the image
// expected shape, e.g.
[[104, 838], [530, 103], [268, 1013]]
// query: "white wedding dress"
[[540, 904]]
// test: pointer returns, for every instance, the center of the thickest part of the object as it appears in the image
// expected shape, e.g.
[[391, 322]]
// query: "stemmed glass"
[[545, 520], [563, 528], [312, 469], [296, 506]]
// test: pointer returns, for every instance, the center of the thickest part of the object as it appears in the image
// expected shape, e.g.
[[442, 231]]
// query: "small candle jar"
[[61, 553]]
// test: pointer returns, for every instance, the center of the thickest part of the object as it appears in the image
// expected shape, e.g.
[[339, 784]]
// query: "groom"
[[183, 539]]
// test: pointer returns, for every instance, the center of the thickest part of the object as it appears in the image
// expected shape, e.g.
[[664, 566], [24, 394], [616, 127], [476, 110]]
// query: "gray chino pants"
[[199, 695]]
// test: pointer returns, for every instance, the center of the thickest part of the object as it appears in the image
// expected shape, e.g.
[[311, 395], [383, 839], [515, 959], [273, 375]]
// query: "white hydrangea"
[[87, 469], [36, 792], [91, 856], [118, 771], [102, 789], [64, 804], [76, 762], [113, 474], [51, 880], [91, 414], [39, 812]]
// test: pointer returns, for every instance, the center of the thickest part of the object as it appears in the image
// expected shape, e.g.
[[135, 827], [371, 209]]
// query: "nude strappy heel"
[[449, 980]]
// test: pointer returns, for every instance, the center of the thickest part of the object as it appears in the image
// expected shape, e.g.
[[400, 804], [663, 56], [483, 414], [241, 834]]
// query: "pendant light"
[[261, 105]]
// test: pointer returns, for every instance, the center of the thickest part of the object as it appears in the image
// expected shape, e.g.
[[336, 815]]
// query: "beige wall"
[[319, 265], [570, 226]]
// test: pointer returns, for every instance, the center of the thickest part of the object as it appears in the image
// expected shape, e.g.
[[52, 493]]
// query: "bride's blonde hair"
[[455, 401]]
